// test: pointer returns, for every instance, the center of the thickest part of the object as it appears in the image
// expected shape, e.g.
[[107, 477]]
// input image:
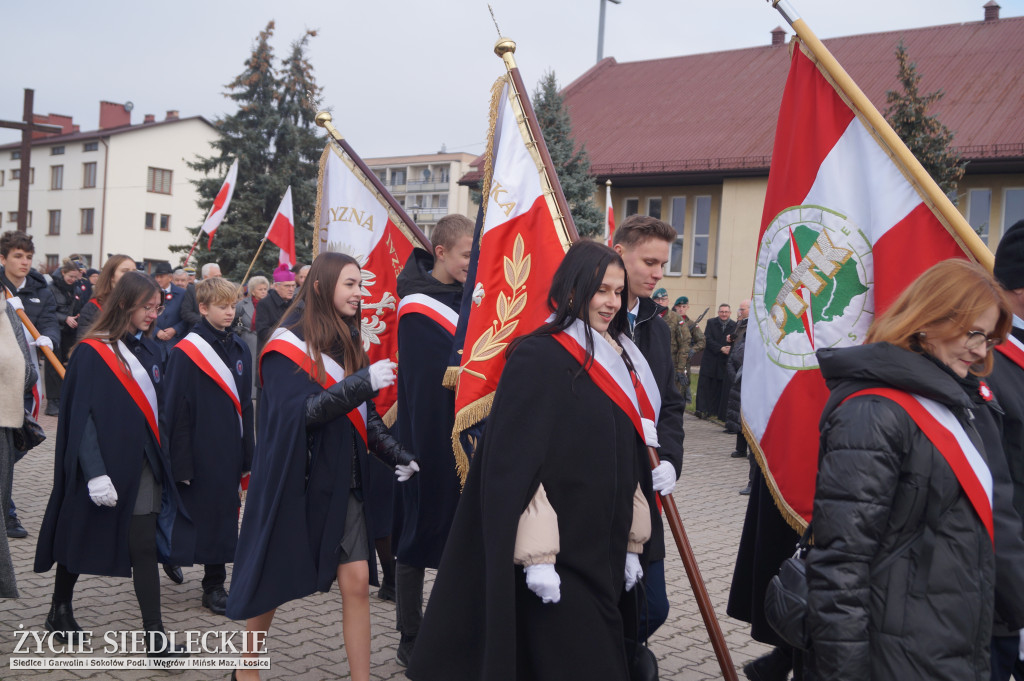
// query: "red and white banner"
[[281, 232], [842, 234], [221, 203], [520, 249], [609, 216], [353, 217]]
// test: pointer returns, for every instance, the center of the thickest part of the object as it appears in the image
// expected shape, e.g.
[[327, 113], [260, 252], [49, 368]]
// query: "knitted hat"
[[282, 273], [681, 300], [660, 293], [1009, 267]]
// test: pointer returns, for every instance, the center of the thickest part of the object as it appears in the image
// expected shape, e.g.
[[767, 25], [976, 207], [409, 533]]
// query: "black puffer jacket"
[[902, 579]]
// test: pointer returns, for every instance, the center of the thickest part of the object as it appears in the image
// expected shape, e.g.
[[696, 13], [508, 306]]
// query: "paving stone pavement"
[[305, 641]]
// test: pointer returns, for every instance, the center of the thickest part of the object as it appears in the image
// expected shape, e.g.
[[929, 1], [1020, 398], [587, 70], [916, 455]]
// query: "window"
[[158, 180], [87, 218], [678, 222], [54, 223], [12, 217], [57, 151], [979, 208], [444, 201], [654, 207], [1013, 206], [701, 237], [52, 262], [632, 207], [150, 220], [165, 223], [90, 146], [397, 177], [56, 177], [16, 175], [89, 175], [15, 155]]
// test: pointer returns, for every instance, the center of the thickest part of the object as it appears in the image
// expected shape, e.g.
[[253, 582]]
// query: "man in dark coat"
[[19, 279], [1007, 381], [644, 242], [430, 287], [272, 307], [712, 397], [170, 326], [210, 436]]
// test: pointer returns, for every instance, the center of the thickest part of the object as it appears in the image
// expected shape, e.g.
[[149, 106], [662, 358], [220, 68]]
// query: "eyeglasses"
[[159, 309], [975, 339]]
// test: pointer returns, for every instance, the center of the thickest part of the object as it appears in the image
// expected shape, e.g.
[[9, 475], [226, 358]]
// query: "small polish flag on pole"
[[609, 215], [221, 203], [282, 230]]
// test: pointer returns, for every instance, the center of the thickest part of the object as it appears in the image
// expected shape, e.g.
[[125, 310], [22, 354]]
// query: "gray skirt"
[[354, 543]]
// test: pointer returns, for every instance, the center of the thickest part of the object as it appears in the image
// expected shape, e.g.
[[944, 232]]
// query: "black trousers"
[[408, 599]]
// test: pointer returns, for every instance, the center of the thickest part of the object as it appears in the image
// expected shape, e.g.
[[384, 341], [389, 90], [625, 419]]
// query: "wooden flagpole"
[[54, 362], [253, 261], [324, 120], [506, 48], [919, 177]]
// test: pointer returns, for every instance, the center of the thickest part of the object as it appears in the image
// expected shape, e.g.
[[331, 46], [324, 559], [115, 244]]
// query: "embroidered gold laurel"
[[496, 338]]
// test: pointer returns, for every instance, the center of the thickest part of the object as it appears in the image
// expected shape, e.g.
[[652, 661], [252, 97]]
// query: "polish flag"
[[519, 250], [221, 203], [842, 234], [354, 217], [282, 230], [609, 223]]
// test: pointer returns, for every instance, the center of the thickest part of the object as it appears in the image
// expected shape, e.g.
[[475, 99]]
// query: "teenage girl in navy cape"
[[549, 530], [305, 523], [114, 509]]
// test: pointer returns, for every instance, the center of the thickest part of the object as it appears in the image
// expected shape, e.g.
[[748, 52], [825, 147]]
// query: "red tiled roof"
[[716, 112], [97, 134]]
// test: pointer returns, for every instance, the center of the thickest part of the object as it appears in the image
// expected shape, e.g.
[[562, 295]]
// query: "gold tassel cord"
[[492, 123], [451, 377], [470, 415]]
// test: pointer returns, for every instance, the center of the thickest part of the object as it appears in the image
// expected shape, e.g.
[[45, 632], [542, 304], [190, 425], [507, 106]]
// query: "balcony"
[[427, 186]]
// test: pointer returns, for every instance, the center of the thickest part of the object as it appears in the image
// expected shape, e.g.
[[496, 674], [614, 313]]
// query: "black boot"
[[216, 600], [774, 666], [405, 646], [61, 619], [52, 407], [158, 644]]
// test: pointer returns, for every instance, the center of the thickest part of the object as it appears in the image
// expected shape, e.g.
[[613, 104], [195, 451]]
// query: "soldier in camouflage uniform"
[[695, 343]]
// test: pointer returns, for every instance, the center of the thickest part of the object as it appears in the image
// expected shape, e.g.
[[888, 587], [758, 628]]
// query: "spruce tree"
[[571, 165], [272, 135], [926, 137]]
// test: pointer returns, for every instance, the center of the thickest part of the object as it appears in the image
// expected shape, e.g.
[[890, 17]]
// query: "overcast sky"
[[402, 76]]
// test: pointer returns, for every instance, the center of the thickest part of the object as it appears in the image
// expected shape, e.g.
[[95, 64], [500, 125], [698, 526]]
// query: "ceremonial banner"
[[846, 227], [354, 216], [609, 216], [221, 203], [520, 245], [281, 232]]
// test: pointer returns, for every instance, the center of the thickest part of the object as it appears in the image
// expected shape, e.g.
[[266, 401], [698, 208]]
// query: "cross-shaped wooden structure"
[[27, 127]]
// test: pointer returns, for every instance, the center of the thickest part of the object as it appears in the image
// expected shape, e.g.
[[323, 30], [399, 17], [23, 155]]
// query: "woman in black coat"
[[566, 460], [113, 509], [916, 539], [69, 292], [305, 522]]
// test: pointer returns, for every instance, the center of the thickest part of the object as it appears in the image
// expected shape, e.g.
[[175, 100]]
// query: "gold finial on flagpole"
[[323, 119]]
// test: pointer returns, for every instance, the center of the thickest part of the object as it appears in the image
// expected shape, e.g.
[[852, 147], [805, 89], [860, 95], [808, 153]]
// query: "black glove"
[[338, 400]]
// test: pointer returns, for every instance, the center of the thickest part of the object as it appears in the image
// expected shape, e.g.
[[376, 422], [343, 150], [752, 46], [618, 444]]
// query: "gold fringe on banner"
[[319, 198], [391, 416], [451, 377], [792, 518], [469, 416]]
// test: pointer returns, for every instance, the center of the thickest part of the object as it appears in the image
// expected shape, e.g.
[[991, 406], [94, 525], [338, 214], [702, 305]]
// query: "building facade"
[[122, 188], [689, 139], [427, 185]]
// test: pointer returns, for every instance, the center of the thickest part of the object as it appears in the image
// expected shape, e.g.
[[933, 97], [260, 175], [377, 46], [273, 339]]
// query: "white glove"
[[403, 473], [478, 293], [650, 433], [633, 570], [15, 302], [102, 492], [663, 478], [43, 342], [542, 580], [382, 374], [1020, 647]]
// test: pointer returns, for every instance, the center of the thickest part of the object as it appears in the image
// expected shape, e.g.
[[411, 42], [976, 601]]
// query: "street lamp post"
[[600, 29]]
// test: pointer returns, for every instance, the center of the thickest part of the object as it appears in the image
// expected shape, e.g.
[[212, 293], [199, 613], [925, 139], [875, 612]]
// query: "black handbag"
[[785, 600], [30, 435]]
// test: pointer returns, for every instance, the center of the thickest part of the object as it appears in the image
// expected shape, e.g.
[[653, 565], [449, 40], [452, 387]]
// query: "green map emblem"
[[812, 288]]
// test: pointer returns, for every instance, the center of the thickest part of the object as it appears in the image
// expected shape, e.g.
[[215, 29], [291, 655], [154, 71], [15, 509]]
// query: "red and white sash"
[[446, 317], [636, 393], [1013, 349], [295, 349], [210, 363], [940, 426], [139, 385]]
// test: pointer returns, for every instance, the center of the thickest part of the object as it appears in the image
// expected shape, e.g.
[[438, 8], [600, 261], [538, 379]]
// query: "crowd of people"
[[183, 391]]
